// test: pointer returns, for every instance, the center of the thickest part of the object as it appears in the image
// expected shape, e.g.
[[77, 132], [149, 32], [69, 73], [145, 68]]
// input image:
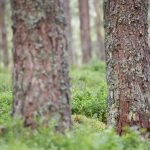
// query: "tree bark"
[[40, 73], [85, 30], [128, 63], [99, 36], [68, 30], [3, 39]]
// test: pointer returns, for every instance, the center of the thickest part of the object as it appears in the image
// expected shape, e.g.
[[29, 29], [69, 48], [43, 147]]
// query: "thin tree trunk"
[[68, 30], [40, 73], [128, 63], [85, 30], [3, 39], [99, 37]]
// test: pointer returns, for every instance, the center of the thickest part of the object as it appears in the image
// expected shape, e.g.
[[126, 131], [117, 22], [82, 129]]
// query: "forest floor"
[[88, 95]]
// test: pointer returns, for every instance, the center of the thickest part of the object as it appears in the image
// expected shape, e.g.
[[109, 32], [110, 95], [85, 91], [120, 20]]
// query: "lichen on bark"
[[40, 74], [128, 67]]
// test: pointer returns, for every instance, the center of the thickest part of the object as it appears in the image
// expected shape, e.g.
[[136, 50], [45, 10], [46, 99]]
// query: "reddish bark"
[[128, 64], [40, 73]]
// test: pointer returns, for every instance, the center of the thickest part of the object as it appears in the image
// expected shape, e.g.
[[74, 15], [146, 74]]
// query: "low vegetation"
[[88, 88]]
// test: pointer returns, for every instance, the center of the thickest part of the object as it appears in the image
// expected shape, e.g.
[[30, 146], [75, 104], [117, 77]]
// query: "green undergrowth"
[[80, 137], [88, 92], [5, 107], [5, 81]]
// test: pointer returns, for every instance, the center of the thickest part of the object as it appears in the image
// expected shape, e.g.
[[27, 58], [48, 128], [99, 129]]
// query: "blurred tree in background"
[[100, 52], [85, 31], [4, 54], [67, 12]]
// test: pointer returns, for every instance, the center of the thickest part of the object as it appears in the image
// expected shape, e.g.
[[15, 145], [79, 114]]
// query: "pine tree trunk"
[[99, 36], [3, 39], [40, 73], [68, 30], [128, 63], [85, 30]]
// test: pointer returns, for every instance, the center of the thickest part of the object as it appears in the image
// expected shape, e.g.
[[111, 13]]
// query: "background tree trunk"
[[98, 27], [68, 30], [128, 60], [3, 39], [85, 30], [40, 73]]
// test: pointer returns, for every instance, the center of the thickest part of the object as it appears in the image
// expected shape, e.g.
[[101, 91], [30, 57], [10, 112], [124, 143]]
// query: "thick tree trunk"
[[68, 30], [99, 37], [3, 39], [149, 23], [40, 73], [85, 30], [128, 60]]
